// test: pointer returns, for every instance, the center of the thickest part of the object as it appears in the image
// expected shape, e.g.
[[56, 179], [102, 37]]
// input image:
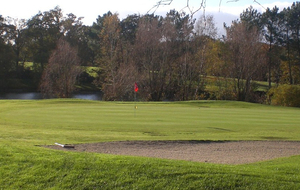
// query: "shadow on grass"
[[274, 138], [220, 129]]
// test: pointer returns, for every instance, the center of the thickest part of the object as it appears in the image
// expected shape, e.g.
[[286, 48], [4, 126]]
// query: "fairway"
[[26, 125]]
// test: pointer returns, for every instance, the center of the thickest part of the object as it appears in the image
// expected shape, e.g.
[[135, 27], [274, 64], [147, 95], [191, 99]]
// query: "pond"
[[38, 96]]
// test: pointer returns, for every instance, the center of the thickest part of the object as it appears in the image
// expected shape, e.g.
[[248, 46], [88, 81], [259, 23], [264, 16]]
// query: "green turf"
[[25, 124]]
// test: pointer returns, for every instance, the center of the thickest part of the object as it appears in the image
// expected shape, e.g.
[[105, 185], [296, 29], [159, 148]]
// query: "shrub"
[[285, 95]]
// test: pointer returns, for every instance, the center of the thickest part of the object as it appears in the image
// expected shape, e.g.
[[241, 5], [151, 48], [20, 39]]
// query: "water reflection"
[[94, 96], [38, 96]]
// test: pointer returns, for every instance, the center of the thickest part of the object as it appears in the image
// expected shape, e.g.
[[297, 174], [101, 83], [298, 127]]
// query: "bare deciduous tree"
[[59, 77], [124, 80], [205, 34], [205, 26], [245, 56], [148, 54]]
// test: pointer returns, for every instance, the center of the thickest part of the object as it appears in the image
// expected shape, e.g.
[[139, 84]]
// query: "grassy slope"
[[24, 124]]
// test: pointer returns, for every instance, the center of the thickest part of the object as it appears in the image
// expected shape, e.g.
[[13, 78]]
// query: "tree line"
[[173, 57]]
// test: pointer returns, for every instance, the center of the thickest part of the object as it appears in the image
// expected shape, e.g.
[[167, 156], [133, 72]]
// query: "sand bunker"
[[225, 152]]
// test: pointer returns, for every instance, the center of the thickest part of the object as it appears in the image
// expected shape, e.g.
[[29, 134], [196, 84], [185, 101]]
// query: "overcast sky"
[[90, 9]]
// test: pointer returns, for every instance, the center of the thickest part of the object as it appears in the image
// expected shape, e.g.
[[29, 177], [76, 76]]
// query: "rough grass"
[[24, 124]]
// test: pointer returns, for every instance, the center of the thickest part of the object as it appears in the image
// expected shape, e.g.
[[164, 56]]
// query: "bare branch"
[[191, 10], [232, 1], [259, 4], [158, 4]]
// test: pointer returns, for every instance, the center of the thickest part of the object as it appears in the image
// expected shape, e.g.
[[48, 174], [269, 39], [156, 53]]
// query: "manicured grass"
[[92, 71], [24, 124]]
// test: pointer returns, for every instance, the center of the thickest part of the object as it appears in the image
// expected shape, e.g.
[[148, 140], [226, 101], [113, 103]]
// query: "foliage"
[[285, 95], [42, 33], [224, 89], [60, 76], [6, 64], [245, 59], [290, 72], [6, 59], [169, 56], [116, 76], [153, 60], [271, 21]]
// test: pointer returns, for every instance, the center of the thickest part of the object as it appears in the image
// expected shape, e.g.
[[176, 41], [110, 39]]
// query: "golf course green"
[[26, 125]]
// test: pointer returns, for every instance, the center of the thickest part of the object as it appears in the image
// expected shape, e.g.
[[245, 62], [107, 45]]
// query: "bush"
[[285, 95]]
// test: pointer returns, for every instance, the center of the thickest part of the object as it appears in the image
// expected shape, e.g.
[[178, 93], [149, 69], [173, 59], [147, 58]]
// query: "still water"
[[38, 96]]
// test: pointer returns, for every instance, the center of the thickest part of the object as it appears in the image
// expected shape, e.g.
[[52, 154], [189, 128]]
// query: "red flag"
[[136, 88]]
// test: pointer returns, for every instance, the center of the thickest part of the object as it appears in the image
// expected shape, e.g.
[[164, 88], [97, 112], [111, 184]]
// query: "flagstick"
[[134, 104], [135, 91]]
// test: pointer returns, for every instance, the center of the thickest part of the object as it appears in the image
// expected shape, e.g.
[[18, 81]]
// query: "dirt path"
[[227, 152]]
